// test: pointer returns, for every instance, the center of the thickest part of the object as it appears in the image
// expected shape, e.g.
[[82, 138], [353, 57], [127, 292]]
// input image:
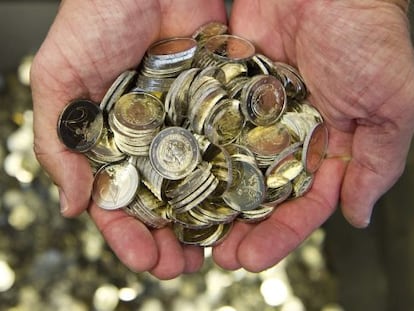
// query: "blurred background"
[[51, 263]]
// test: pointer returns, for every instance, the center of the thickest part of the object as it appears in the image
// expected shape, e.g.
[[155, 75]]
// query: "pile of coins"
[[206, 131]]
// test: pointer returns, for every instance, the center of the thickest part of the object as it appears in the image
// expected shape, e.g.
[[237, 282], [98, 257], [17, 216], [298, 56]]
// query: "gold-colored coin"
[[139, 111], [267, 140]]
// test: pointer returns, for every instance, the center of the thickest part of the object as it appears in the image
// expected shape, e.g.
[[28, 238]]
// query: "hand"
[[357, 61], [88, 46]]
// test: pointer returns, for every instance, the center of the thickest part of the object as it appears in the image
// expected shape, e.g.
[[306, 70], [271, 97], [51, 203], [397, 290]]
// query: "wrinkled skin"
[[356, 60]]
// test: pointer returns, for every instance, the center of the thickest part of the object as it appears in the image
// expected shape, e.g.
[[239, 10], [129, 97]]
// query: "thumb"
[[378, 160]]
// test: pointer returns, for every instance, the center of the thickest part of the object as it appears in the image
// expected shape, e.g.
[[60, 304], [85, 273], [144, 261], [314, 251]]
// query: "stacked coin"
[[135, 120], [209, 133], [163, 61]]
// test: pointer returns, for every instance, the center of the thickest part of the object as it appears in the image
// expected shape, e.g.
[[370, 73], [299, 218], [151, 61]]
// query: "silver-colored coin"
[[80, 125], [174, 153], [119, 87], [115, 185]]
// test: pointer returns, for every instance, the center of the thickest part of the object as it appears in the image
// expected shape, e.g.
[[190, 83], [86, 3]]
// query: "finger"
[[225, 254], [87, 46], [403, 4], [378, 161], [193, 257], [170, 255], [182, 17], [130, 240], [292, 222], [265, 23]]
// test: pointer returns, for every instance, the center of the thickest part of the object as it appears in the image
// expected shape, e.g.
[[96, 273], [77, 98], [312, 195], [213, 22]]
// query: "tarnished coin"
[[115, 185], [174, 153], [263, 100], [314, 148], [80, 125]]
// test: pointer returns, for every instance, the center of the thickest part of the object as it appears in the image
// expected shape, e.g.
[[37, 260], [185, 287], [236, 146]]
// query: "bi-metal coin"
[[248, 188], [80, 125], [174, 153], [263, 100], [115, 185]]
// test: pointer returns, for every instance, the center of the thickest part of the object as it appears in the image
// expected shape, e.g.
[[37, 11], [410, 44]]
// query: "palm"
[[346, 52], [90, 43]]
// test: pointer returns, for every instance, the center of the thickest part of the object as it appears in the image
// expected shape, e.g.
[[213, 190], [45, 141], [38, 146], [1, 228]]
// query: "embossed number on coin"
[[80, 125]]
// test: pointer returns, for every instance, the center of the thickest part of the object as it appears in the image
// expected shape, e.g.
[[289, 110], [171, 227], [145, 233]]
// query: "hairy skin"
[[88, 46], [355, 57], [357, 61]]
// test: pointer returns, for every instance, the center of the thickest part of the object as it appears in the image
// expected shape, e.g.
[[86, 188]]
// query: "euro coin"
[[80, 125], [174, 153]]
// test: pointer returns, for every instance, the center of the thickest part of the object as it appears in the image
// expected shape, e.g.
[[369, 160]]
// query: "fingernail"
[[63, 201]]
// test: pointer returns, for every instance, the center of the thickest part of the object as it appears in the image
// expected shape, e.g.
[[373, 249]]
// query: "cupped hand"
[[357, 61], [89, 44]]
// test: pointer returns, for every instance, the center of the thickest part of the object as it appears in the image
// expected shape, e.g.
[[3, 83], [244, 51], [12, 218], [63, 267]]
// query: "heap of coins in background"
[[205, 132]]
